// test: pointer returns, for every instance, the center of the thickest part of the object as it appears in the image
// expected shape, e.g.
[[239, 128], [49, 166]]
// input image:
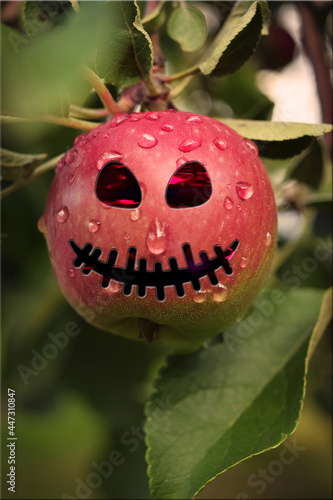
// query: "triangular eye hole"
[[190, 186], [116, 186]]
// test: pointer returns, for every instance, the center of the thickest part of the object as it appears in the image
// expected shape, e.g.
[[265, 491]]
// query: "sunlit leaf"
[[126, 54], [15, 166], [187, 26], [230, 400]]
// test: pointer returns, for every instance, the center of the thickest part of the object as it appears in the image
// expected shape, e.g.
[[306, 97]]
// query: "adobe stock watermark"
[[264, 307], [130, 440], [259, 480], [49, 351]]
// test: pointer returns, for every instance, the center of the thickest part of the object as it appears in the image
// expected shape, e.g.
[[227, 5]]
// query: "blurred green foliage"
[[88, 401]]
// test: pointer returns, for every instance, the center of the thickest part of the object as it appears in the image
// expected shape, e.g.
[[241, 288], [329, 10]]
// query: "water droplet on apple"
[[243, 262], [61, 163], [229, 186], [115, 286], [119, 119], [221, 293], [71, 273], [167, 127], [135, 214], [199, 297], [70, 156], [251, 145], [220, 143], [42, 224], [228, 204], [194, 119], [152, 116], [71, 180], [146, 140], [62, 215], [239, 208], [94, 226], [109, 156], [189, 144], [79, 139], [126, 236], [157, 238], [180, 161], [268, 239], [244, 190]]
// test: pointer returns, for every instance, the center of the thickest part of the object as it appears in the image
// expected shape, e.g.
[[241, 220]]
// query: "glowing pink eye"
[[117, 186], [190, 186]]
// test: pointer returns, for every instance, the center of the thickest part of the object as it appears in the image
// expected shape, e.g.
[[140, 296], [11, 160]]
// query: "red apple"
[[161, 225]]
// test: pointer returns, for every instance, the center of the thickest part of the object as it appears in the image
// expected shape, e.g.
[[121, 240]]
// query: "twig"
[[58, 120], [91, 114], [104, 94]]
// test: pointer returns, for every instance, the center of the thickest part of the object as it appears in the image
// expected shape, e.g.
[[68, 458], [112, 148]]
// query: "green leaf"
[[322, 202], [41, 17], [16, 166], [187, 26], [126, 54], [241, 8], [39, 72], [310, 169], [235, 43], [230, 400], [278, 139], [155, 20]]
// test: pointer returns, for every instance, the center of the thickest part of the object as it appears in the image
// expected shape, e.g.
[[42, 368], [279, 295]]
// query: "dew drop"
[[126, 236], [105, 136], [94, 226], [252, 146], [86, 150], [239, 208], [62, 215], [194, 119], [109, 156], [268, 206], [135, 214], [79, 139], [268, 239], [181, 161], [146, 140], [220, 144], [71, 155], [134, 117], [143, 189], [71, 273], [152, 116], [221, 293], [42, 224], [115, 286], [61, 163], [229, 186], [199, 297], [244, 190], [118, 119], [157, 238], [189, 144], [228, 203], [167, 127], [71, 180], [243, 262]]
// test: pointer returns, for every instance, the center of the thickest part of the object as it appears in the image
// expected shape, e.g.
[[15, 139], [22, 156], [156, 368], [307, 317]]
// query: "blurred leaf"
[[187, 26], [322, 202], [278, 139], [324, 318], [39, 72], [229, 401], [15, 166], [40, 17], [126, 54], [241, 8], [155, 19], [311, 167], [235, 43]]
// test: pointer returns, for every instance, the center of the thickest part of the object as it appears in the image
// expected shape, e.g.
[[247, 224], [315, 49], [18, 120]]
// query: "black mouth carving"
[[88, 256]]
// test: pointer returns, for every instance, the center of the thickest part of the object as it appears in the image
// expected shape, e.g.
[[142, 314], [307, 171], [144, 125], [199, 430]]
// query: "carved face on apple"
[[161, 225]]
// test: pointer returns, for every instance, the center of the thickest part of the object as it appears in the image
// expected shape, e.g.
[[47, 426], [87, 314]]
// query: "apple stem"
[[87, 113]]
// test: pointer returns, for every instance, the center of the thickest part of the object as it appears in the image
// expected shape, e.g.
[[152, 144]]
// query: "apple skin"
[[153, 145]]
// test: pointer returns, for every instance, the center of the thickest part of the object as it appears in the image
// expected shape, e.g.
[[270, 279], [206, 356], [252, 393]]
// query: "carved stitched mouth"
[[88, 257]]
